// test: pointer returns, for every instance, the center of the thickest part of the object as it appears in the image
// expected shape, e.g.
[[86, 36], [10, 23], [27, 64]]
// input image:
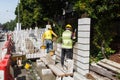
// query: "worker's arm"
[[54, 34], [74, 34]]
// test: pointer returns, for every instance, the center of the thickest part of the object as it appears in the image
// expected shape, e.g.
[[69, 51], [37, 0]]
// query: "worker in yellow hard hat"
[[47, 37], [69, 26], [67, 44]]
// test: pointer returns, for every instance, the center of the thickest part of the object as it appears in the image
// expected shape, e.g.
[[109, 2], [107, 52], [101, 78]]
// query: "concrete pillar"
[[36, 32], [82, 58], [18, 26]]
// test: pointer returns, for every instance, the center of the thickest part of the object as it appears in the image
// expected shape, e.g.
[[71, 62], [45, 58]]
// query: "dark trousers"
[[68, 53], [49, 45]]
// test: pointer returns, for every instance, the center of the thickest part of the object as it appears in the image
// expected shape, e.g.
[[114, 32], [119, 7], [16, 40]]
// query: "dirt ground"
[[115, 57]]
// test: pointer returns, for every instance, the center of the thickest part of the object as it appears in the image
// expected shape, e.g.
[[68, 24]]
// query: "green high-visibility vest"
[[66, 39]]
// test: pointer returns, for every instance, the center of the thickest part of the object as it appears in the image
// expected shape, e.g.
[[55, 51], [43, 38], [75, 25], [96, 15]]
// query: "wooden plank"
[[60, 67], [57, 53], [44, 60], [58, 58], [102, 71], [64, 70], [112, 63], [49, 59], [109, 67], [56, 70], [15, 56]]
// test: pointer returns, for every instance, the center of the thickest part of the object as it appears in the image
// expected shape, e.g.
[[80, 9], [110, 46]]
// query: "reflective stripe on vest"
[[66, 39], [48, 35]]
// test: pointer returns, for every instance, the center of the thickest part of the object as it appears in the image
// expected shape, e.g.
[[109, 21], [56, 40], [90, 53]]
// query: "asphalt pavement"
[[2, 40]]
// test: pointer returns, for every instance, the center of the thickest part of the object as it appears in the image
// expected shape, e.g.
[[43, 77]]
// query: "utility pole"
[[18, 12], [18, 24]]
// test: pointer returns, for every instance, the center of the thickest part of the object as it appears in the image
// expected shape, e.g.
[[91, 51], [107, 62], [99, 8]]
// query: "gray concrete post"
[[83, 45]]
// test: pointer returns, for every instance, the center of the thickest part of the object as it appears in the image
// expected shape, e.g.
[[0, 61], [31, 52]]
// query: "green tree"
[[30, 13], [9, 25], [102, 13]]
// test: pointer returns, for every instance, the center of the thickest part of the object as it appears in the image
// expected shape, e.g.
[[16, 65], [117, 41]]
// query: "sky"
[[7, 10]]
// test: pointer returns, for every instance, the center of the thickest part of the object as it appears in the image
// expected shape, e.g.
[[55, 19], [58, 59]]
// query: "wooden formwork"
[[106, 68]]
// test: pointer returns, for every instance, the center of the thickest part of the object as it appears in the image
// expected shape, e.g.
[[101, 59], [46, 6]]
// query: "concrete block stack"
[[24, 42], [58, 52], [82, 48]]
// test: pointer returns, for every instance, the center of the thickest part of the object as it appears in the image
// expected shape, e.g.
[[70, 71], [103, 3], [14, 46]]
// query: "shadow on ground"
[[2, 40], [17, 71], [21, 78]]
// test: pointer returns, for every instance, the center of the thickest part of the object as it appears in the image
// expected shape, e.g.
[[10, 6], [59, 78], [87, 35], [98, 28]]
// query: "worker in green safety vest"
[[67, 44]]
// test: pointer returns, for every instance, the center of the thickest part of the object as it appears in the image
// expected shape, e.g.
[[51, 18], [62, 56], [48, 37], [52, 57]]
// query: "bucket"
[[51, 52], [43, 47]]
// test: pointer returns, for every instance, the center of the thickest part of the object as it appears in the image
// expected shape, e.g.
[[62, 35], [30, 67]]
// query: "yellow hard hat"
[[68, 26]]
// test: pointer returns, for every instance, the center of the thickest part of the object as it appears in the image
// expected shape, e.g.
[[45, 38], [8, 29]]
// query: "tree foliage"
[[9, 25], [30, 13], [103, 14]]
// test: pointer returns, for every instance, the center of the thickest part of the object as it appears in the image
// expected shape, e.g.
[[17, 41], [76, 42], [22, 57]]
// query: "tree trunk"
[[103, 49]]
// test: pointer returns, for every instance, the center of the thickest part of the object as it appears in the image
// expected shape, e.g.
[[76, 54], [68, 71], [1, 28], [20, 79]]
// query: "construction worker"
[[47, 36], [67, 44]]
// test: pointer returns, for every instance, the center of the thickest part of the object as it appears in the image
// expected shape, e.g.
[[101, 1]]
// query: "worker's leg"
[[69, 53], [50, 45], [47, 45]]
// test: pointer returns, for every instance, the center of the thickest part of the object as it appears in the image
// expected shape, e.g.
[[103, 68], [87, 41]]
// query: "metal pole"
[[18, 24], [18, 12]]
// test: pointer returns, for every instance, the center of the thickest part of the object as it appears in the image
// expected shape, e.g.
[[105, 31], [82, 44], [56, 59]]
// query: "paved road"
[[2, 43]]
